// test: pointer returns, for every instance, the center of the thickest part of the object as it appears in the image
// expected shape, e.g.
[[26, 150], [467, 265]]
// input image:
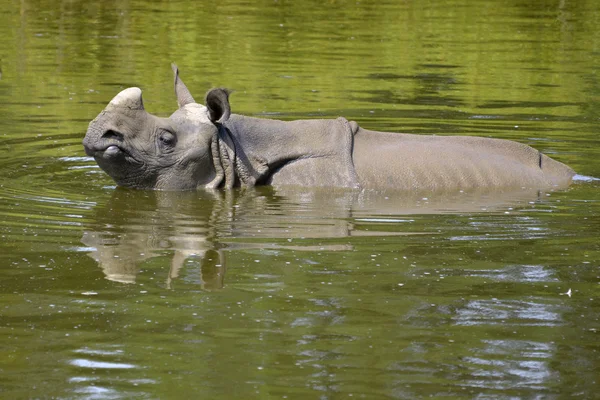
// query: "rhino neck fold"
[[230, 168], [309, 153]]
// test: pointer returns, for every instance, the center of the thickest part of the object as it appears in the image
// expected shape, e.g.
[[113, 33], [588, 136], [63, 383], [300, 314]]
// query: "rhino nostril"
[[110, 134]]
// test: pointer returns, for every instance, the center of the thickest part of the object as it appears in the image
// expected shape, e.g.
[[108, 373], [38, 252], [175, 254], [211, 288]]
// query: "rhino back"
[[424, 162]]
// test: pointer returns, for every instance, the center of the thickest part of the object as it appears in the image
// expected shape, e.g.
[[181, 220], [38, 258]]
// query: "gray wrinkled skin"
[[208, 147]]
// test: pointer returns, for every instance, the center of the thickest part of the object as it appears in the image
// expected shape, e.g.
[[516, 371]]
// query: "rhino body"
[[208, 147]]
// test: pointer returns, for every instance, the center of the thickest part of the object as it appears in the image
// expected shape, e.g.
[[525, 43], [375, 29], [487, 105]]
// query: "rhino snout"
[[108, 143]]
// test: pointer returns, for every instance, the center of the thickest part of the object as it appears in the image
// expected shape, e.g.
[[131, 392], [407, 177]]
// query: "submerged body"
[[208, 147]]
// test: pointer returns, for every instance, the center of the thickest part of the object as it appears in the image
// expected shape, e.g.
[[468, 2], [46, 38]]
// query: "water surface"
[[108, 293]]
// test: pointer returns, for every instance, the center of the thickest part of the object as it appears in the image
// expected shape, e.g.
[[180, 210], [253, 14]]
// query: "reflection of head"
[[118, 265], [135, 226]]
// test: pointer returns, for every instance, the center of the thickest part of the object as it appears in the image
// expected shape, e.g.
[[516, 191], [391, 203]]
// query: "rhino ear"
[[181, 91], [217, 102]]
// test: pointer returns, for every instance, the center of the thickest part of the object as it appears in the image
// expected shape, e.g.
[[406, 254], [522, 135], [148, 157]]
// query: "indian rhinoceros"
[[205, 146]]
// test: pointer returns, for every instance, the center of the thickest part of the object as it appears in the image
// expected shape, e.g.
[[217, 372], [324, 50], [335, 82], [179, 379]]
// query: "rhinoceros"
[[206, 146]]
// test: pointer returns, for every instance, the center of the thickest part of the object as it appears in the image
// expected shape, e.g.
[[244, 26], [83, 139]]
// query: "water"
[[108, 293]]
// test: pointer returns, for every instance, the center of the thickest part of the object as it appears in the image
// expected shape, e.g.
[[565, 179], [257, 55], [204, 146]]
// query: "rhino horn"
[[183, 94], [130, 98]]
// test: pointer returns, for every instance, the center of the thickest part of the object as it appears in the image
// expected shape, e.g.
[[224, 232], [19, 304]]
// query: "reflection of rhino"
[[199, 226], [208, 147]]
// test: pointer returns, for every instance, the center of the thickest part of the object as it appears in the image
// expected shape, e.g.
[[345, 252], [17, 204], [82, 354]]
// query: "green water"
[[301, 294]]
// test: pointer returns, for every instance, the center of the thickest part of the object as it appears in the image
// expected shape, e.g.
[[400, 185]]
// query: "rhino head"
[[140, 150]]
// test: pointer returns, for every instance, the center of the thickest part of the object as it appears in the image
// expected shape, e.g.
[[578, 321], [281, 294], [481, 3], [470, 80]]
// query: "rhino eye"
[[166, 139]]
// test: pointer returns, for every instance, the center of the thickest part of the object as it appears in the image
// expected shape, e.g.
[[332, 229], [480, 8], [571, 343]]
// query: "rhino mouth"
[[112, 150], [108, 151]]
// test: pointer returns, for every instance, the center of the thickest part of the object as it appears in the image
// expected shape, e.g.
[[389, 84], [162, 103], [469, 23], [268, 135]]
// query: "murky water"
[[285, 293]]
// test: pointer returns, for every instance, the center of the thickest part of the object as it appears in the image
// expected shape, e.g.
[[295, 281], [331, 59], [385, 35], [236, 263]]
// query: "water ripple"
[[84, 363]]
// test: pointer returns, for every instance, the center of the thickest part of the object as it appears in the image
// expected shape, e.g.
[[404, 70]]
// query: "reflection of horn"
[[181, 91], [177, 264], [130, 98], [211, 269]]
